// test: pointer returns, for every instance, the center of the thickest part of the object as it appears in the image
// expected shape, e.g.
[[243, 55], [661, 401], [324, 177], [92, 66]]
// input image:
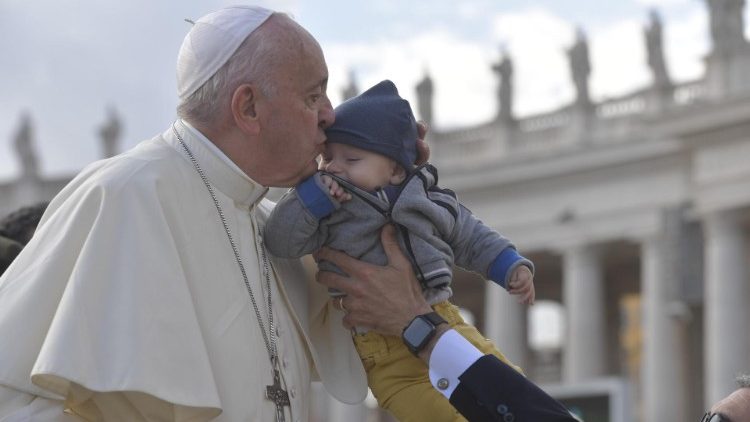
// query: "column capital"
[[577, 245], [725, 218]]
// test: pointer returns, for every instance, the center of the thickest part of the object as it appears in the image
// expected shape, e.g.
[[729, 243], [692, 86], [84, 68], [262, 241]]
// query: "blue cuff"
[[504, 263], [314, 198]]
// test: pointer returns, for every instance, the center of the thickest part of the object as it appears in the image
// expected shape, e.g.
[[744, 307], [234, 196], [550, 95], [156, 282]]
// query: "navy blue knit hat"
[[380, 121]]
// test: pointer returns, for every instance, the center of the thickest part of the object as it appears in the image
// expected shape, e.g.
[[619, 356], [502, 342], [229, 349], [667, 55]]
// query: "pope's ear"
[[244, 108]]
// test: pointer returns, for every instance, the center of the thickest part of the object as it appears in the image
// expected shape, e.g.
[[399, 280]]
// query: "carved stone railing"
[[688, 93], [545, 139], [466, 146], [634, 103], [614, 120], [545, 121]]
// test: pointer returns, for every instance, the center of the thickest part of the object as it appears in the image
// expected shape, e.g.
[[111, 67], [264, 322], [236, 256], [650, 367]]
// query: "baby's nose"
[[331, 167]]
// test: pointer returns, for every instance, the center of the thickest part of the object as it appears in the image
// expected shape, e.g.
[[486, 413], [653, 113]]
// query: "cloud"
[[664, 3], [536, 40], [79, 60], [686, 43], [68, 64], [464, 84], [618, 56]]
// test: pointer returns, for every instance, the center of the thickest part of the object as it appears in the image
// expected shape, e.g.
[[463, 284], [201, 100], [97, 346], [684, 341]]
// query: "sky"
[[65, 62]]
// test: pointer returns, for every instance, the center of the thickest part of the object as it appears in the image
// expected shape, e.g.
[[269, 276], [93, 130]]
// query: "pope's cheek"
[[311, 168]]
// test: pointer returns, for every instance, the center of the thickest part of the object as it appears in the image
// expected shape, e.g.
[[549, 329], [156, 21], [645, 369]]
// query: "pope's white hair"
[[252, 62], [743, 381]]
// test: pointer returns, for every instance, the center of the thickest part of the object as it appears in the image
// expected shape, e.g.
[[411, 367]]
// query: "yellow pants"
[[399, 380]]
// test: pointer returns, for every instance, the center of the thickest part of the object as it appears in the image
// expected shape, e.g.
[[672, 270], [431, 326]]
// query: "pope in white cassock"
[[146, 293]]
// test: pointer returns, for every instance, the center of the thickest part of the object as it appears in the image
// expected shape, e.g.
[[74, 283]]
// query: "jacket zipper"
[[387, 214]]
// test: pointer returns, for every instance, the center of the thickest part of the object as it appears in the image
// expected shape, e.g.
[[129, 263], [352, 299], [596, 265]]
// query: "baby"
[[368, 179]]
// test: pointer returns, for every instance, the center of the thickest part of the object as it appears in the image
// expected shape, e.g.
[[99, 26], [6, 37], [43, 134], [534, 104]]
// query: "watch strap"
[[434, 318]]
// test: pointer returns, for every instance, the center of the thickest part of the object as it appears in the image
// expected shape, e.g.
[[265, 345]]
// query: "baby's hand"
[[337, 192], [522, 284]]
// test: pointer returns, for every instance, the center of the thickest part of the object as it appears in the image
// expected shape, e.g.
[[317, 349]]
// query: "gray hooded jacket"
[[434, 230]]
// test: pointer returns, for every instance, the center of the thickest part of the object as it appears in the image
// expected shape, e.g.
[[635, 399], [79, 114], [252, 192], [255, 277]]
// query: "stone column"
[[663, 380], [726, 311], [584, 354], [506, 324]]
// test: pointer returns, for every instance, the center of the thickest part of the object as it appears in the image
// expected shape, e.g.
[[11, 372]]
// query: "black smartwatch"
[[420, 331]]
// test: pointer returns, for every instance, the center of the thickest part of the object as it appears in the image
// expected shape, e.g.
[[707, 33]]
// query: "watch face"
[[416, 333]]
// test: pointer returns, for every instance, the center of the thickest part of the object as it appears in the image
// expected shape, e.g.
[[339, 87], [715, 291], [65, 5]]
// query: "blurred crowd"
[[16, 230]]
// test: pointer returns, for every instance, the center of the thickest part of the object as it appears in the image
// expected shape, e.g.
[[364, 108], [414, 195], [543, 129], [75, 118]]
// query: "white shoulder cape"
[[85, 301]]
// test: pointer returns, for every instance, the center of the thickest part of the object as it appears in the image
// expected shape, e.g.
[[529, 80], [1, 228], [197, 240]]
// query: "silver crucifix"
[[278, 396]]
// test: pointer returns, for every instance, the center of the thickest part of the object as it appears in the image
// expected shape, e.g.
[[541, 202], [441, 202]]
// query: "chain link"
[[270, 338]]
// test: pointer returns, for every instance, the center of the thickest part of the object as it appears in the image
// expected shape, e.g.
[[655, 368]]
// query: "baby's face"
[[365, 169]]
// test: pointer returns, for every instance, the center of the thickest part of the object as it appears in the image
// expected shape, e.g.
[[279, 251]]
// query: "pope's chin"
[[310, 169]]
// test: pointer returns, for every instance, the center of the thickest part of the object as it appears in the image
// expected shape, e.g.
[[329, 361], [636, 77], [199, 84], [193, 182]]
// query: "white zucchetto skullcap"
[[212, 41]]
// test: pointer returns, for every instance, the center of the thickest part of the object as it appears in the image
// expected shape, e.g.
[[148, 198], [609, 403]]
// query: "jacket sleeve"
[[490, 390], [479, 248], [294, 227]]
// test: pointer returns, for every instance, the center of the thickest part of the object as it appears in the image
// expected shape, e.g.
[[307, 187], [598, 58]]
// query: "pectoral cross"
[[278, 396]]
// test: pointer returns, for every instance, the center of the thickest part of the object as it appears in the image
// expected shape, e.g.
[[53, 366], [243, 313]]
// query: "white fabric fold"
[[130, 285]]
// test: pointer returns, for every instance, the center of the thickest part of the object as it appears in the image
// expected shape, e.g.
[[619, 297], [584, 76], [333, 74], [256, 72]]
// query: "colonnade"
[[666, 373]]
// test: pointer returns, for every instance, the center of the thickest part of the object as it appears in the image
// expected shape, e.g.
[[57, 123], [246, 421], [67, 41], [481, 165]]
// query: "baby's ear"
[[398, 175]]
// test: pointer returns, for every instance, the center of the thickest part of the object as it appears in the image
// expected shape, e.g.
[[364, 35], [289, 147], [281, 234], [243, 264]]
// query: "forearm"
[[481, 249], [426, 353], [482, 387], [449, 356]]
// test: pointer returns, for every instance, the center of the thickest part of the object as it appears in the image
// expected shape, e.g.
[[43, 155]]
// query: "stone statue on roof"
[[110, 134], [424, 98], [505, 90], [351, 90], [580, 68], [727, 25], [24, 145], [655, 52]]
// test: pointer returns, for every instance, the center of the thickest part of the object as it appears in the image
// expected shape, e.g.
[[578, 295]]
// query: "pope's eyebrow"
[[322, 83]]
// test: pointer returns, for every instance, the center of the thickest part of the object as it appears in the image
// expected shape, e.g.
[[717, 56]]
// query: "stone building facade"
[[645, 196], [636, 212]]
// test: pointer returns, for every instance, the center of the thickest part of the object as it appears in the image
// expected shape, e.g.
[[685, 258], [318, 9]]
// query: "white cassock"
[[128, 304]]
